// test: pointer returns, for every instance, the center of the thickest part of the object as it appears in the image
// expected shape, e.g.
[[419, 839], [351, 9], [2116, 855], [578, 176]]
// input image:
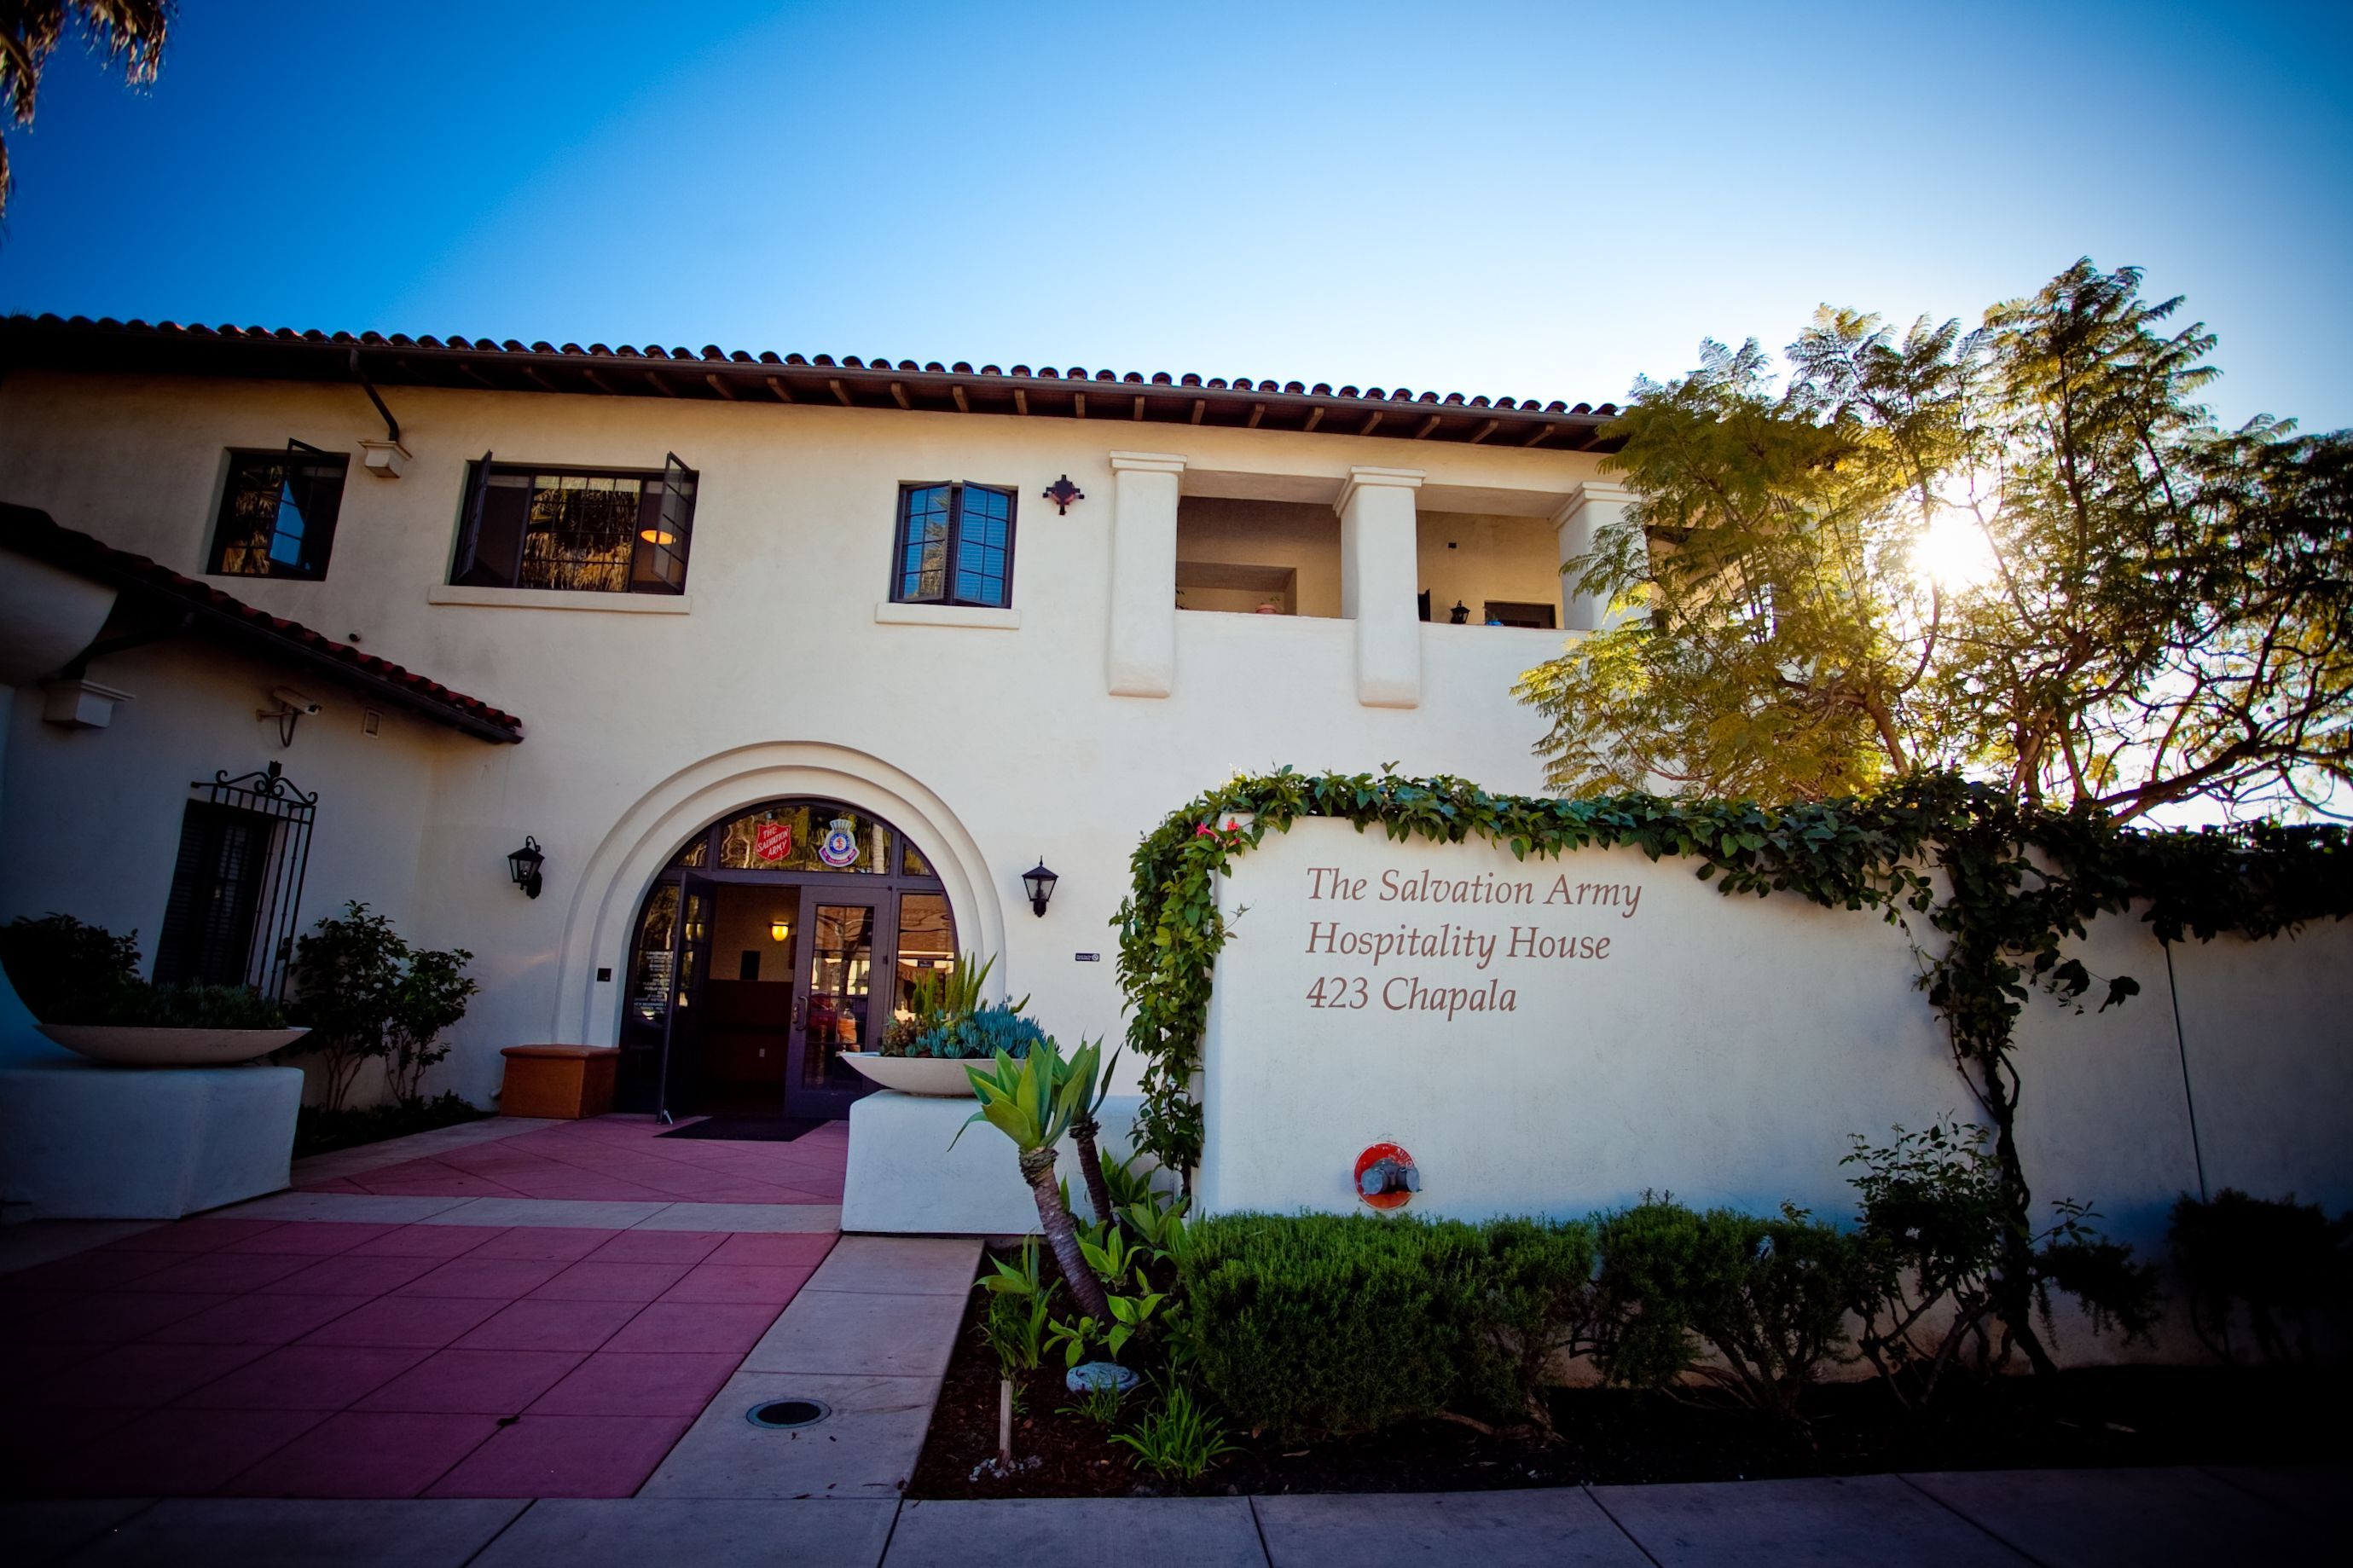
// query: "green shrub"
[[1935, 1226], [2281, 1263], [68, 973], [1336, 1324], [1769, 1295], [201, 1007], [368, 996]]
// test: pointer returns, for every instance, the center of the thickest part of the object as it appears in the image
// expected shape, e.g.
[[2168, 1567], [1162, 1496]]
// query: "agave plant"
[[1033, 1101]]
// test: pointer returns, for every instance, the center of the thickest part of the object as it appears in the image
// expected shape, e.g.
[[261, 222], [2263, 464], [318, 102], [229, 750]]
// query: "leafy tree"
[[347, 978], [431, 998], [2024, 552], [368, 996], [129, 32]]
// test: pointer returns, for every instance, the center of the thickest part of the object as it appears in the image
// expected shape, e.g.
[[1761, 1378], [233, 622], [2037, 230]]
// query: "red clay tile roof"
[[716, 375], [230, 620]]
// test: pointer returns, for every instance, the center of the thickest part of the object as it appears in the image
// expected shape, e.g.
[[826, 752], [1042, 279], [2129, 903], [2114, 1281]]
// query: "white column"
[[1141, 660], [1591, 507], [1380, 576]]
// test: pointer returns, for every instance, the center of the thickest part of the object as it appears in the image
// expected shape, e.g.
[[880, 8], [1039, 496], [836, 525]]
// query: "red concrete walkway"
[[301, 1354], [617, 1159], [317, 1359]]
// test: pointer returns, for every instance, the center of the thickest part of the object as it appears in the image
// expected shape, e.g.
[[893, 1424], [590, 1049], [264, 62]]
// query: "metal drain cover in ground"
[[789, 1413]]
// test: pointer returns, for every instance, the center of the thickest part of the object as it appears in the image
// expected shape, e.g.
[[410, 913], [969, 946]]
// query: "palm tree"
[[1033, 1101], [128, 32], [1084, 1130]]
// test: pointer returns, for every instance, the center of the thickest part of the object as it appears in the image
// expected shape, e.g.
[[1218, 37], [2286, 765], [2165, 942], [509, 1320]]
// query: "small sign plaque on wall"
[[1088, 957]]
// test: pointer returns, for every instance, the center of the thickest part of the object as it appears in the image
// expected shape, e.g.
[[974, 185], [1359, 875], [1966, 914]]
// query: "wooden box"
[[565, 1082]]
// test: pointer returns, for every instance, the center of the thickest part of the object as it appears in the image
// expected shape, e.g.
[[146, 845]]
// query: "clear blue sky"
[[1506, 199]]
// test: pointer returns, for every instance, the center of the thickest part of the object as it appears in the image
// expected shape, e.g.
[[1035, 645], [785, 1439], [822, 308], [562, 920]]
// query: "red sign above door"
[[773, 840]]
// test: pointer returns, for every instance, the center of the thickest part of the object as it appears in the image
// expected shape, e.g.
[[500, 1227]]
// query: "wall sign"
[[839, 847], [773, 840]]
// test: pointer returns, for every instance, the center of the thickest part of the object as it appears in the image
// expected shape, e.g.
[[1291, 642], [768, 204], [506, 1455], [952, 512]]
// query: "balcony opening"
[[1499, 570], [1257, 557]]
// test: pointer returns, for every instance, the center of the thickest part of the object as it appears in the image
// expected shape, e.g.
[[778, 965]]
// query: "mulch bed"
[[2098, 1416], [323, 1131]]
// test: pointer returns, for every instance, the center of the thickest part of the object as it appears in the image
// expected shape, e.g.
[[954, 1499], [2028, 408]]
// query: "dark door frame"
[[675, 1046], [831, 1099]]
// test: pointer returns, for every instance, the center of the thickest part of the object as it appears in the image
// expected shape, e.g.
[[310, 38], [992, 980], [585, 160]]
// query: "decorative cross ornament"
[[1061, 492]]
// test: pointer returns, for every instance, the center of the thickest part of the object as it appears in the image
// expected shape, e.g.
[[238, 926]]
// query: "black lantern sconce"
[[1061, 492], [1038, 883], [1460, 615], [524, 866]]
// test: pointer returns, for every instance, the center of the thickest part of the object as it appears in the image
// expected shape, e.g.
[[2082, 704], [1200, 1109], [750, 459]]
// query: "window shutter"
[[466, 568], [677, 521]]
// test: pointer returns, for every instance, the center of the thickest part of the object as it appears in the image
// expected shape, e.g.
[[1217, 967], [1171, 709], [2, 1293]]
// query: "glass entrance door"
[[835, 1011], [678, 1088]]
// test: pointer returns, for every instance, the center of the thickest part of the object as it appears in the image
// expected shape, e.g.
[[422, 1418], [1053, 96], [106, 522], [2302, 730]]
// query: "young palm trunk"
[[1062, 1236], [1004, 1425], [1082, 1134]]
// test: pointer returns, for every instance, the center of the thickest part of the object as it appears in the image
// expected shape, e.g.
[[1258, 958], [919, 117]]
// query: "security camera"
[[289, 698]]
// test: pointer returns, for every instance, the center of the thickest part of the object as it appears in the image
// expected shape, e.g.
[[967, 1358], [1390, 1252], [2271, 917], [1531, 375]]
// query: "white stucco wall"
[[1725, 1048], [992, 746]]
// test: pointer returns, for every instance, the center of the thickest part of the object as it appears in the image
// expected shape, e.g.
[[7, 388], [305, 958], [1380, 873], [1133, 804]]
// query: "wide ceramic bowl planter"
[[941, 1077], [126, 1045]]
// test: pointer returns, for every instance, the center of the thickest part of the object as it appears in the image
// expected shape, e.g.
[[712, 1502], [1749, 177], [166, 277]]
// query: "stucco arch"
[[597, 930]]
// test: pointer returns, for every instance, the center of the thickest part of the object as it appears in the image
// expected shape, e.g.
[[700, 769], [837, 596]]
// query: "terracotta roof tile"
[[30, 531], [876, 382]]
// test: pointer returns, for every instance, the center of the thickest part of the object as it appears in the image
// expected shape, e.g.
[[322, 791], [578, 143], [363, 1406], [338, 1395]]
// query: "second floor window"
[[278, 513], [608, 531], [954, 545]]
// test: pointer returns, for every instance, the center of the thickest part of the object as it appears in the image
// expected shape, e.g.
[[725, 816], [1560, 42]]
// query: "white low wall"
[[904, 1179], [1719, 1048], [79, 1141]]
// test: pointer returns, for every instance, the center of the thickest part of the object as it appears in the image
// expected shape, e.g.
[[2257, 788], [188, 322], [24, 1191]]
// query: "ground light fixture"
[[524, 866], [1038, 883]]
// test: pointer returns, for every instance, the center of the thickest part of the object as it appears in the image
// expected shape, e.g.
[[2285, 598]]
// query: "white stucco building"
[[673, 616]]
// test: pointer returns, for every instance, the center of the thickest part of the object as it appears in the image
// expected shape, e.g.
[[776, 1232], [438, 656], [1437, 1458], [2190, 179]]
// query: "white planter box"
[[79, 1141], [904, 1179]]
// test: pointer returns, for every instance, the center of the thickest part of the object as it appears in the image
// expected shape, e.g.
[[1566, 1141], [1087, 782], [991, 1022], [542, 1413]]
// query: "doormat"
[[747, 1129]]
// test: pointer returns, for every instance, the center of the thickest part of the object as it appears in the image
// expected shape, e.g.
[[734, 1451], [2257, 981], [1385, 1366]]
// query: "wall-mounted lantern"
[[1460, 615], [1061, 492], [1038, 883], [778, 930], [524, 866]]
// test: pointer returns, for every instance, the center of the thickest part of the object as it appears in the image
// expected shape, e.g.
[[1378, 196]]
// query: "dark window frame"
[[318, 523], [656, 565], [908, 488]]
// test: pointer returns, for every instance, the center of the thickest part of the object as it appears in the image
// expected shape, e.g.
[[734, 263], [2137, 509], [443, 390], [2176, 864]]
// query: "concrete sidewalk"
[[2057, 1518]]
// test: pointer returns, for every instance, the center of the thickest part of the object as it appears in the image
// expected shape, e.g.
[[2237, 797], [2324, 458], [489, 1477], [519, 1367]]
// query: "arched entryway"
[[773, 941]]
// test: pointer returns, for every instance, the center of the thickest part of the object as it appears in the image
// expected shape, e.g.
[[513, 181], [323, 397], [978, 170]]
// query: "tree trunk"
[[1082, 1134], [1062, 1236], [1004, 1425], [2013, 1291]]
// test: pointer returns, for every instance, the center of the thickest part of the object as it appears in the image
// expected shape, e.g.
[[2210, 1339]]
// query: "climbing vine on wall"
[[1997, 888]]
